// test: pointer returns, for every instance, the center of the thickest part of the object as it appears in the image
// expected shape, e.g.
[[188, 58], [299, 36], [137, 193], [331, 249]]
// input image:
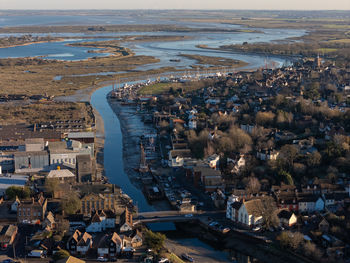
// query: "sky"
[[178, 4]]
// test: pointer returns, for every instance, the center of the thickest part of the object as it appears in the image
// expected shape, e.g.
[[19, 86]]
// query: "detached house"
[[79, 243], [236, 163], [266, 155], [136, 238], [213, 161], [250, 213], [247, 213], [177, 157], [287, 218], [49, 222], [110, 246], [211, 179]]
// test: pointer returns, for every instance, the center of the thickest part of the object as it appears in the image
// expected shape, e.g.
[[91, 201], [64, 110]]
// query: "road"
[[175, 216], [198, 250]]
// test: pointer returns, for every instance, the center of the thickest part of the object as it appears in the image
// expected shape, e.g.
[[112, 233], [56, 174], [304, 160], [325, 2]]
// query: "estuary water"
[[164, 51]]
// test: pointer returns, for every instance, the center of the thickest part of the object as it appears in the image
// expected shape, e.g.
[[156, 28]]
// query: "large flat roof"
[[75, 135]]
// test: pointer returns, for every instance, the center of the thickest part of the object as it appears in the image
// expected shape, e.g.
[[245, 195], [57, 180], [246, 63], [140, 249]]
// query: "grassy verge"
[[173, 258]]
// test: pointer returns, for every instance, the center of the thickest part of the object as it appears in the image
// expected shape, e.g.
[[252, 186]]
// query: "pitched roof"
[[64, 173], [285, 214], [71, 259], [308, 198], [50, 217], [76, 235], [116, 239], [95, 218], [236, 205], [85, 239], [254, 207], [102, 213], [6, 232]]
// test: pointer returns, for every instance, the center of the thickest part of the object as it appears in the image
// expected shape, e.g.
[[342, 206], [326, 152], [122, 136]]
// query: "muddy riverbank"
[[132, 128]]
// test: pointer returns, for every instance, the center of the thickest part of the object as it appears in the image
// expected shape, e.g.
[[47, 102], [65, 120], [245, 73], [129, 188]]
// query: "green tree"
[[154, 241], [20, 192], [286, 177], [71, 203], [60, 254], [51, 184]]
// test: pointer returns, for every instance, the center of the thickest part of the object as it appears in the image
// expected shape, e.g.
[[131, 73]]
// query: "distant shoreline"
[[33, 42]]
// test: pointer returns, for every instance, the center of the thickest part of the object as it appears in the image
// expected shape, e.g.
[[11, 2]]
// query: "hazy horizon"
[[179, 4]]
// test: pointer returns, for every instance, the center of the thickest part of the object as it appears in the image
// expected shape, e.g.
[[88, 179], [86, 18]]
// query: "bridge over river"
[[175, 216]]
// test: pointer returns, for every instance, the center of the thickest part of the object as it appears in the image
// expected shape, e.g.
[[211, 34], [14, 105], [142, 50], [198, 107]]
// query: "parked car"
[[189, 215], [102, 259], [255, 229], [36, 254], [187, 257]]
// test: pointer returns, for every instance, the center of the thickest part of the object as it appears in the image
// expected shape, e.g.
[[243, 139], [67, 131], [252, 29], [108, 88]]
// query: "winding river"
[[164, 51]]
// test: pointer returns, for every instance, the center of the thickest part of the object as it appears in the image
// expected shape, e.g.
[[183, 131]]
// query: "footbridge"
[[175, 216]]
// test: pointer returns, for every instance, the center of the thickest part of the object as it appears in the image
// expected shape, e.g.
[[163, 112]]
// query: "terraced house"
[[108, 199], [32, 211]]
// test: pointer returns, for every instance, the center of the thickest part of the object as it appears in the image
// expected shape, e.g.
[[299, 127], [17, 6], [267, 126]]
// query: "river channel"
[[164, 51]]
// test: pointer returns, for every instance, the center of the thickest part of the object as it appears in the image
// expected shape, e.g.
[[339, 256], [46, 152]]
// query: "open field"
[[30, 76], [45, 112]]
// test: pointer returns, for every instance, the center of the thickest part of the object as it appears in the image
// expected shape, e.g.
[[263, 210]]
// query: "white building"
[[266, 155], [192, 124], [101, 222], [177, 157], [247, 213], [229, 209], [213, 161], [311, 203], [61, 175]]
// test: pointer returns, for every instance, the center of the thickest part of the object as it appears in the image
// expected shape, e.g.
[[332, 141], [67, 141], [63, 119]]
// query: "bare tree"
[[253, 185], [269, 212]]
